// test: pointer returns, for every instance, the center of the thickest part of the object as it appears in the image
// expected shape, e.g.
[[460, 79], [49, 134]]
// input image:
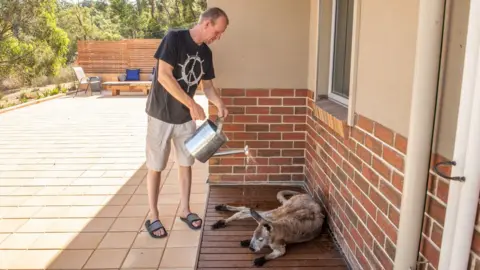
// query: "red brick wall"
[[433, 225], [360, 176], [272, 123], [475, 251]]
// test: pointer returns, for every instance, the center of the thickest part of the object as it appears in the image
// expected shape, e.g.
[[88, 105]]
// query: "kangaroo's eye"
[[260, 239]]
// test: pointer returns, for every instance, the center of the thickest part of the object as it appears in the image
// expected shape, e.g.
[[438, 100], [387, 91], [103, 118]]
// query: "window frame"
[[331, 95]]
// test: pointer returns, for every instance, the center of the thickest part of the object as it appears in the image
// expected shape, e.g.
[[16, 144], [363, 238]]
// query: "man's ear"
[[256, 215], [207, 23]]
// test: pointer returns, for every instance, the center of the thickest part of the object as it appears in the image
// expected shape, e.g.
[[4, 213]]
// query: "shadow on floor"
[[98, 223]]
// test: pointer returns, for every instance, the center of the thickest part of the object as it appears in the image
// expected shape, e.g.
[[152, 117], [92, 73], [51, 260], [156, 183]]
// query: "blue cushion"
[[133, 74]]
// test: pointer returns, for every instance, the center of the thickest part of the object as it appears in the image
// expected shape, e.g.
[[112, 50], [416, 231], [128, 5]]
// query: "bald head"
[[211, 25], [213, 14]]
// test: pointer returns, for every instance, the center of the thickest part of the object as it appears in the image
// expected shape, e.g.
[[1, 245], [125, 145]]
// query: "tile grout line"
[[197, 246], [173, 223], [124, 205], [202, 234], [108, 230], [138, 231]]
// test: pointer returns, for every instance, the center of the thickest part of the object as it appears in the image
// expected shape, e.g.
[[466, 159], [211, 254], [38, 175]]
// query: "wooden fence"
[[108, 59]]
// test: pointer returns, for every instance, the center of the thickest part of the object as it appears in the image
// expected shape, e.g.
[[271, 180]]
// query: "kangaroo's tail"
[[281, 195]]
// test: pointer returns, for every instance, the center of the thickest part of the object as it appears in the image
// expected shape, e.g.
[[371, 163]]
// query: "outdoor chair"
[[83, 79]]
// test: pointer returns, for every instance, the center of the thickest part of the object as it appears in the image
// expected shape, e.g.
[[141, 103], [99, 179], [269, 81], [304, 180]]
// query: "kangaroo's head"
[[262, 234]]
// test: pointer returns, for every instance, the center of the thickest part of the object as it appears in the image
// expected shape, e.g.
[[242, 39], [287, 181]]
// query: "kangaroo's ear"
[[256, 215]]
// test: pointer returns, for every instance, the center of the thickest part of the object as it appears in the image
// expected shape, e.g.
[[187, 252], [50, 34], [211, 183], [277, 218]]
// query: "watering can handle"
[[219, 123]]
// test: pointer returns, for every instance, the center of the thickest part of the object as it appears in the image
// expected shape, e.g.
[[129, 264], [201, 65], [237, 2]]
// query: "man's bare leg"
[[185, 179], [153, 190]]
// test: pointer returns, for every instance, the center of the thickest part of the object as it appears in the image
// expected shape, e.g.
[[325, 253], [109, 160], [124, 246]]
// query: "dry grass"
[[15, 83], [13, 92], [24, 95]]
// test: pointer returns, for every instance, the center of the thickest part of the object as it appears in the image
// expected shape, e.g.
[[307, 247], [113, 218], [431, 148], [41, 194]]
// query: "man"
[[184, 59]]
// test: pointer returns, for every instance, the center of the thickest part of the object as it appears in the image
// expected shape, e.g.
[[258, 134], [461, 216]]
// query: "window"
[[341, 46]]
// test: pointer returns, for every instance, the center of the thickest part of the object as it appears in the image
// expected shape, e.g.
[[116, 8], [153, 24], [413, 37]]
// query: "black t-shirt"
[[191, 63]]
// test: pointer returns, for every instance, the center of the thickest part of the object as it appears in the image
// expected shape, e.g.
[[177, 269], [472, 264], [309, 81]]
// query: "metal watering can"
[[207, 139]]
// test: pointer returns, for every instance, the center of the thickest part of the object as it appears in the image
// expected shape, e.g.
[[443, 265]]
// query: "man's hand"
[[222, 111], [196, 111]]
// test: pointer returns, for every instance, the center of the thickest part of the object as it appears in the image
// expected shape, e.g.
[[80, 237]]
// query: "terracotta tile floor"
[[73, 190]]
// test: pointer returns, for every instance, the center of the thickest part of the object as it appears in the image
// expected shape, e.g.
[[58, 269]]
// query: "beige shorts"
[[158, 144]]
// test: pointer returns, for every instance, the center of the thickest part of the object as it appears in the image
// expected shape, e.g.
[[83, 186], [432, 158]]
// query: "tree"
[[31, 43], [86, 22], [38, 37]]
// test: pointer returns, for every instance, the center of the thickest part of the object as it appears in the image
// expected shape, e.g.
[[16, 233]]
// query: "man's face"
[[215, 31]]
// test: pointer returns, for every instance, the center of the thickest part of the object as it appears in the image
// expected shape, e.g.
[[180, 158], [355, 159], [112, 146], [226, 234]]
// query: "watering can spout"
[[232, 152]]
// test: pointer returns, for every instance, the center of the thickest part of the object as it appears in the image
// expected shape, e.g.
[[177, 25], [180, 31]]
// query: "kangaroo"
[[298, 219]]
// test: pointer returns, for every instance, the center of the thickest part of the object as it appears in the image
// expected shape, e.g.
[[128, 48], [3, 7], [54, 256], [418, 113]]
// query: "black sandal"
[[192, 217], [155, 226]]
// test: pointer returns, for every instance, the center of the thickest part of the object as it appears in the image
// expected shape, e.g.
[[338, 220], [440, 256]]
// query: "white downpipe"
[[468, 202], [461, 137], [422, 116]]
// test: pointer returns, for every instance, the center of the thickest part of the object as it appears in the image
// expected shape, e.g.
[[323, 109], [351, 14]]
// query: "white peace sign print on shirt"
[[189, 76]]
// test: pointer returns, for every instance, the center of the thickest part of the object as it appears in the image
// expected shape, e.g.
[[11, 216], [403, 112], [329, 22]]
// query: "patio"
[[73, 196], [73, 190]]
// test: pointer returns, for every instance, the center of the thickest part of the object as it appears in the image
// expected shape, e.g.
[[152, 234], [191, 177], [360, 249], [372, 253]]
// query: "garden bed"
[[14, 98]]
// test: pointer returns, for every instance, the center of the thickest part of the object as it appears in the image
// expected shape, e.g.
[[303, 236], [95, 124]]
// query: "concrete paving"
[[73, 189]]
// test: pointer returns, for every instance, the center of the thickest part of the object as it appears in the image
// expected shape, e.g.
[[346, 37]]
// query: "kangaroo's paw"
[[221, 207], [219, 224], [260, 261], [245, 243]]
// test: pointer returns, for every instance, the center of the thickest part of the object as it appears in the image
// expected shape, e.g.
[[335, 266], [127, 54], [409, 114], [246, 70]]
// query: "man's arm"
[[165, 78], [212, 93], [214, 97]]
